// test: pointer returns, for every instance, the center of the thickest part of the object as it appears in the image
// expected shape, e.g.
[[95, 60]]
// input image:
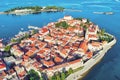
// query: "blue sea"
[[109, 67]]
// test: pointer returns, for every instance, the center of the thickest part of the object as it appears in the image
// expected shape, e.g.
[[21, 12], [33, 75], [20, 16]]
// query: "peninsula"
[[32, 10], [62, 50]]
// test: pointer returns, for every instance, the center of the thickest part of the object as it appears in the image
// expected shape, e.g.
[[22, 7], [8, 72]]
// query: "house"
[[68, 18], [89, 54], [2, 66], [18, 53], [31, 40], [48, 63], [84, 46], [95, 46], [20, 72], [25, 58], [15, 50], [18, 61], [63, 53], [91, 33], [48, 38], [44, 31], [75, 64], [29, 53], [3, 75], [9, 60], [41, 45], [84, 20], [80, 52], [92, 37], [32, 52], [57, 59], [12, 74]]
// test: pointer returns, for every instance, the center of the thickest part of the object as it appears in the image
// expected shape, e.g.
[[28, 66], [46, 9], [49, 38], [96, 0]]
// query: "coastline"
[[79, 75], [29, 12], [88, 64], [32, 10]]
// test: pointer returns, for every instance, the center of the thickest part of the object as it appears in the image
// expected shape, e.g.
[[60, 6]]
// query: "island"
[[32, 10], [106, 13], [62, 50]]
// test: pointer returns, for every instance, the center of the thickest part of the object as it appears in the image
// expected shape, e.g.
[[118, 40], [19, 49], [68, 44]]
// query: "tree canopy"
[[62, 24], [33, 75]]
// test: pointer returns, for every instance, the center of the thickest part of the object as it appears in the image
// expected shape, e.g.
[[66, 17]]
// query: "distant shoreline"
[[106, 13], [32, 10]]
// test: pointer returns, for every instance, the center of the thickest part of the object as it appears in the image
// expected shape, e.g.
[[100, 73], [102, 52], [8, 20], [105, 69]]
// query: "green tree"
[[79, 18], [25, 36], [13, 40], [41, 78], [58, 77], [34, 32], [102, 32], [62, 76], [62, 24], [7, 48], [53, 77], [70, 71], [88, 21], [85, 27], [33, 75]]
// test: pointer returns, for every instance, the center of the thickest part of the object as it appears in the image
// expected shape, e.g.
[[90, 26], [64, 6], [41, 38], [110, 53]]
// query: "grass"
[[80, 68]]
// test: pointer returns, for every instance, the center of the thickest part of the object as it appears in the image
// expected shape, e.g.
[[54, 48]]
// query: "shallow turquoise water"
[[109, 67]]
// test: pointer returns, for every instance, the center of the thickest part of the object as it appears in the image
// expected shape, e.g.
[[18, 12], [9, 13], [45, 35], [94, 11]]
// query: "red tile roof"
[[2, 65], [44, 30], [48, 63], [29, 53], [75, 61], [84, 46], [89, 54], [58, 59]]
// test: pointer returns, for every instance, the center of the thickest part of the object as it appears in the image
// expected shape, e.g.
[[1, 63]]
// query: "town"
[[56, 47]]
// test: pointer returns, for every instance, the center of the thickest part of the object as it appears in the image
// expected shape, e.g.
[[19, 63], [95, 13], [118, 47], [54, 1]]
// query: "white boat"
[[22, 28]]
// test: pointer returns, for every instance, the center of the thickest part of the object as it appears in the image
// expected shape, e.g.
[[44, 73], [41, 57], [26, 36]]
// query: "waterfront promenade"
[[90, 63]]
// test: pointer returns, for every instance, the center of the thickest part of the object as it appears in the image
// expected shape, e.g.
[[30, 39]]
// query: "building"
[[12, 75], [9, 60], [48, 63], [3, 75], [95, 46], [68, 17], [2, 66], [15, 50], [21, 73]]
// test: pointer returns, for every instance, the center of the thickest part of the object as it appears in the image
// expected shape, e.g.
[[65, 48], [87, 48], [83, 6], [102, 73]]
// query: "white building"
[[68, 17], [95, 46], [9, 60]]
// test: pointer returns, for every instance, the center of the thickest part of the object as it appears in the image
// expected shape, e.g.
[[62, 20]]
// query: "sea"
[[109, 67]]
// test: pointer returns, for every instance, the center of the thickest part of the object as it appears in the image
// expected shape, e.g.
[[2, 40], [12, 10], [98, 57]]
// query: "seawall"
[[90, 63]]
